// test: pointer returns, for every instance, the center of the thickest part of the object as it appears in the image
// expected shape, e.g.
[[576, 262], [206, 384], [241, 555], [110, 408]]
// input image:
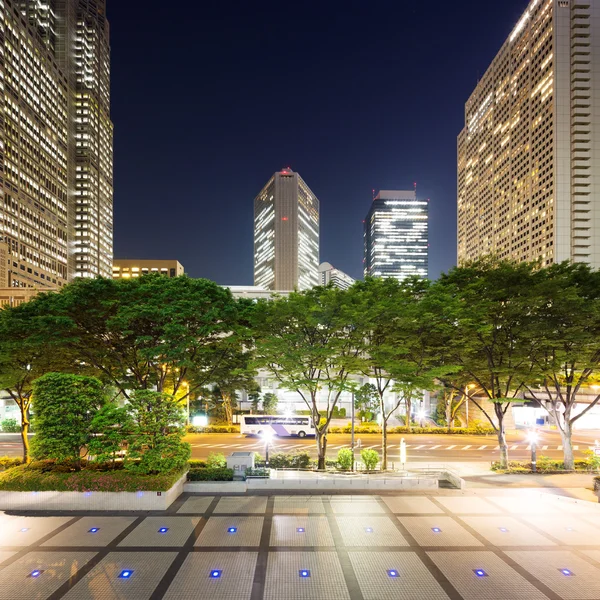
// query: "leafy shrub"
[[156, 444], [216, 460], [63, 405], [26, 479], [194, 463], [214, 429], [111, 429], [10, 426], [210, 475], [297, 460], [597, 484], [257, 472], [592, 460], [9, 462], [370, 458], [544, 465], [345, 459]]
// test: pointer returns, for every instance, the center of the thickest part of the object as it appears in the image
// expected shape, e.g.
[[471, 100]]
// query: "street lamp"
[[267, 438], [533, 438]]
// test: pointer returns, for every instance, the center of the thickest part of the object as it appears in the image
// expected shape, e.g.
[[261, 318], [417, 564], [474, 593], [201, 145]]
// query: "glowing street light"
[[267, 437], [533, 439]]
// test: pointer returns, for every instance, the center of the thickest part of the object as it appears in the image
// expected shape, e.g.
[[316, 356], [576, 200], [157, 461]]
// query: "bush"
[[63, 405], [111, 429], [214, 429], [9, 462], [194, 463], [216, 460], [370, 458], [156, 440], [345, 459], [10, 426], [592, 460], [26, 479], [257, 473], [298, 460], [210, 475], [544, 465]]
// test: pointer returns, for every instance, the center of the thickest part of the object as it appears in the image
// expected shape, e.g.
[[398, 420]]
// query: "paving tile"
[[411, 505], [568, 529], [357, 507], [56, 567], [242, 504], [501, 583], [103, 581], [284, 582], [594, 519], [506, 531], [147, 532], [214, 533], [467, 505], [369, 531], [5, 555], [547, 567], [315, 531], [299, 505], [196, 505], [414, 581], [24, 531], [450, 534], [193, 581], [79, 533], [593, 554], [524, 504]]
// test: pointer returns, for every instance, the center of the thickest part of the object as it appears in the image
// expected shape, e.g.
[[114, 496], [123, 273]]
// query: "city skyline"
[[333, 127]]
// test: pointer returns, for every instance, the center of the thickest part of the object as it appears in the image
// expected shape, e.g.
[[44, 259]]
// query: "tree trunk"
[[501, 436], [449, 418], [566, 435], [321, 440], [408, 402], [24, 433], [384, 450]]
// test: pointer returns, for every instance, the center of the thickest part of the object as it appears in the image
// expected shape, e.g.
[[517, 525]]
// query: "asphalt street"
[[425, 448]]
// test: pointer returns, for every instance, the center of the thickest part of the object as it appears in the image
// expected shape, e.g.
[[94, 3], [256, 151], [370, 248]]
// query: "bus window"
[[251, 420]]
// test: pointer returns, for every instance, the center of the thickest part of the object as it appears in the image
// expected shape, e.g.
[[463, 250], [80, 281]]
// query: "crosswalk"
[[309, 444]]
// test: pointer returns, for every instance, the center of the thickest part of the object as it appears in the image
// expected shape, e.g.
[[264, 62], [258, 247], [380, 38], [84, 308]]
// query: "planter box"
[[99, 501], [215, 487]]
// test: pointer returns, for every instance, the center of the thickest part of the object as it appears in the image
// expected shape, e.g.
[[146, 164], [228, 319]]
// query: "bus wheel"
[[301, 434]]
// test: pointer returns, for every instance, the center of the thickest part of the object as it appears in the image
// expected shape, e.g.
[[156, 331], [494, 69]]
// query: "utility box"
[[240, 462]]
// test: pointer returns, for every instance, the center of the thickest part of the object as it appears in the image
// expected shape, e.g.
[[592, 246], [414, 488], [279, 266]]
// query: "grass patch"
[[26, 479]]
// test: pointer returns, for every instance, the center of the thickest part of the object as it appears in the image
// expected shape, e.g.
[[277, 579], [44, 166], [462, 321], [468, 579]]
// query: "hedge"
[[544, 465], [9, 462], [479, 430], [27, 479], [210, 475], [597, 484], [214, 429]]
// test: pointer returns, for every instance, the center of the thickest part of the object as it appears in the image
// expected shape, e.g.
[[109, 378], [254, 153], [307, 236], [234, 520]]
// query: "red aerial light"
[[284, 218]]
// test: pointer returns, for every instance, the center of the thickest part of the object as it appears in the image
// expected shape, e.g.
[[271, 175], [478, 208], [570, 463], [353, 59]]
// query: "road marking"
[[466, 447], [544, 447], [200, 445], [450, 447], [514, 447], [560, 448], [575, 447], [482, 448], [434, 447], [419, 447]]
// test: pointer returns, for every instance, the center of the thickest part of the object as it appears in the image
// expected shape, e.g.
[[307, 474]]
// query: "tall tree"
[[487, 308], [306, 341], [566, 330], [395, 332]]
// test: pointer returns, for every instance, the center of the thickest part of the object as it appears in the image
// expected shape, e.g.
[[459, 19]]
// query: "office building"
[[396, 236], [286, 234], [127, 268], [55, 141], [529, 153], [329, 274]]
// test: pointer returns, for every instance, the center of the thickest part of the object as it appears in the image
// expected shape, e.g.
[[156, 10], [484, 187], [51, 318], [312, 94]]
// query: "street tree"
[[306, 342], [270, 402], [566, 331], [486, 309]]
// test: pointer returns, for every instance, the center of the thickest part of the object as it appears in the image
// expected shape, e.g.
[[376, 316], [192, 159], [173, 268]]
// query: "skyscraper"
[[396, 236], [286, 234], [330, 275], [56, 141], [528, 156]]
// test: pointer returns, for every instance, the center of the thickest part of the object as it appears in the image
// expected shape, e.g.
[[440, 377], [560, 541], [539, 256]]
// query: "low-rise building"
[[329, 274], [125, 268]]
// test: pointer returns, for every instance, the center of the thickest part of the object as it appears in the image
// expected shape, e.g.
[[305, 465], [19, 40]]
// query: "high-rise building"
[[286, 234], [529, 154], [55, 141], [396, 236], [329, 274]]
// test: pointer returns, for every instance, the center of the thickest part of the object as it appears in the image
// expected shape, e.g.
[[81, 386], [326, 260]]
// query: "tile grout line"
[[421, 553], [163, 585], [487, 545], [94, 561], [260, 571], [342, 552]]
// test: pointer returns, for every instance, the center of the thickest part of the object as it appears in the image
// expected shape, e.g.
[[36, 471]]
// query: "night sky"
[[210, 98]]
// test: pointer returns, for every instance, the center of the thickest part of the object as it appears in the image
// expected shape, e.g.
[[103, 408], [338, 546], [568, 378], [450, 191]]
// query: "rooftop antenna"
[[415, 188]]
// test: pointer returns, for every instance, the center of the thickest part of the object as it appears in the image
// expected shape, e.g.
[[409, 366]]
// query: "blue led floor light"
[[163, 530], [393, 573], [304, 573], [94, 530], [480, 573], [35, 574], [215, 573], [126, 574], [232, 530], [567, 572]]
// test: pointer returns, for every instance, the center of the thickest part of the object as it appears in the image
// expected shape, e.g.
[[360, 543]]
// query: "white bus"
[[276, 425]]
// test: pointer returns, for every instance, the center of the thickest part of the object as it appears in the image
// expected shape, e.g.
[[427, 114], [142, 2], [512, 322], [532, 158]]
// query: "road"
[[420, 448]]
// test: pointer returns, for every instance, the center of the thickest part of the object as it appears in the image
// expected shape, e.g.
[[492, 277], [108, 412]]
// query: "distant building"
[[529, 152], [286, 234], [254, 292], [396, 236], [329, 274], [127, 268]]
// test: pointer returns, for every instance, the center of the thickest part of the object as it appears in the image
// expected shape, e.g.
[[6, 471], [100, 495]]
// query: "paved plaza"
[[486, 545]]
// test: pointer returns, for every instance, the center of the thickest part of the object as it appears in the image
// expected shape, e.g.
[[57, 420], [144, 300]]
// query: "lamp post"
[[533, 438], [267, 437]]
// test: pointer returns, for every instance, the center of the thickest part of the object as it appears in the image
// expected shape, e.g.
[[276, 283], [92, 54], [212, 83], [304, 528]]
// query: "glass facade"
[[396, 236]]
